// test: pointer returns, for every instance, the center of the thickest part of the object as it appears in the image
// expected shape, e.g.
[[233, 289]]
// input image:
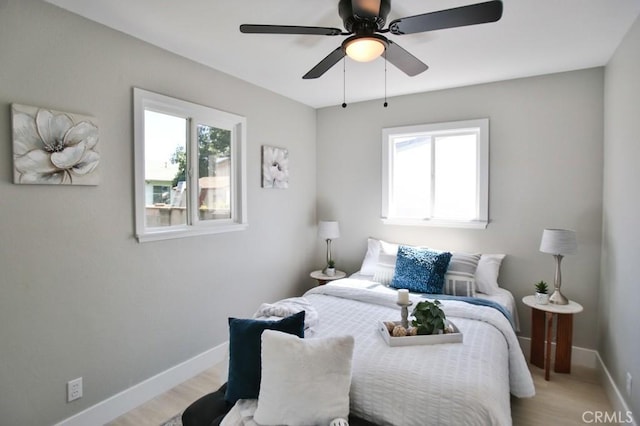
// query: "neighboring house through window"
[[190, 168]]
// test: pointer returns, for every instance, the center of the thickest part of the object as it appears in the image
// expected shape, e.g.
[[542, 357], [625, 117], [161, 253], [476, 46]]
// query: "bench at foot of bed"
[[211, 409]]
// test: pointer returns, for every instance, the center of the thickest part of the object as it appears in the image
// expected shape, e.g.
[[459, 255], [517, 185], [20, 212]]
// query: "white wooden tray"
[[431, 339]]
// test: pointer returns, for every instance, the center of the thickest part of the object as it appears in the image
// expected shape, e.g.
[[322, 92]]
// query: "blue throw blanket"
[[474, 301]]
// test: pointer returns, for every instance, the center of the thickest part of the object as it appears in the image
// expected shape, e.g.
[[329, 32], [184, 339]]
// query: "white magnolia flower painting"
[[275, 167], [52, 147]]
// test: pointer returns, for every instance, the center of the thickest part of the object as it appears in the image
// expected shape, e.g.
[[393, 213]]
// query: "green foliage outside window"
[[213, 143]]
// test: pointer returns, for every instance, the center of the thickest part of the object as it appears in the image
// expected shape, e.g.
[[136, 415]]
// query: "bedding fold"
[[286, 307]]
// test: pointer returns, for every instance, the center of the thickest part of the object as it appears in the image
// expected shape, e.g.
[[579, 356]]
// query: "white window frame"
[[194, 114], [481, 127]]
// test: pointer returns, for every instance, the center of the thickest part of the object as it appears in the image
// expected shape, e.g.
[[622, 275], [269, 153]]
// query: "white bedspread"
[[465, 383]]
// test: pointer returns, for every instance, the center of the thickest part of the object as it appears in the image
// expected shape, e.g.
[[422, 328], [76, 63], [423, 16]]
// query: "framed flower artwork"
[[275, 167], [54, 148]]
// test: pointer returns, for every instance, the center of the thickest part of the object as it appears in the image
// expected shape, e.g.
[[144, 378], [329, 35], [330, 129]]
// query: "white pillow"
[[371, 257], [304, 381], [487, 273]]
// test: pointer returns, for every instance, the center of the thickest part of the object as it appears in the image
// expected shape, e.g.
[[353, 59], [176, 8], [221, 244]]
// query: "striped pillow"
[[457, 285], [460, 277], [463, 264]]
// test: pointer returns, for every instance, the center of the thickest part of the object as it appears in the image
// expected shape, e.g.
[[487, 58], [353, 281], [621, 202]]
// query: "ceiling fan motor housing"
[[357, 24]]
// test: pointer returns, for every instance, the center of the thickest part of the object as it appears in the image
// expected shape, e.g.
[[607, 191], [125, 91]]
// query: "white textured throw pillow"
[[487, 273], [386, 265], [304, 381]]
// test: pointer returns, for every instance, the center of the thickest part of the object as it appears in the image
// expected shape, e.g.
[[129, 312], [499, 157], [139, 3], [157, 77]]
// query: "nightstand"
[[564, 334], [323, 279]]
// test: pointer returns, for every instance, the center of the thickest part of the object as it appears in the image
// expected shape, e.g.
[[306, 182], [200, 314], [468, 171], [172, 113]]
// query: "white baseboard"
[[614, 394], [591, 359], [125, 401], [579, 356]]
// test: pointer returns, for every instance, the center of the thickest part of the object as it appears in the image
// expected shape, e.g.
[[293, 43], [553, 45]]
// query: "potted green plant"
[[429, 318], [542, 297], [331, 269]]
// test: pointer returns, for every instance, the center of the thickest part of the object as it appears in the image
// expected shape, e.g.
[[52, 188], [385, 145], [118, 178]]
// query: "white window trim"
[[483, 172], [194, 113]]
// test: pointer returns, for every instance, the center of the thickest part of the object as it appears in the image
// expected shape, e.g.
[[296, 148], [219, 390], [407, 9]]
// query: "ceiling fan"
[[364, 23]]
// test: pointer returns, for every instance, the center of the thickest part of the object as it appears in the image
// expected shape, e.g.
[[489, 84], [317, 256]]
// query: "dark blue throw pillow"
[[244, 352], [420, 269]]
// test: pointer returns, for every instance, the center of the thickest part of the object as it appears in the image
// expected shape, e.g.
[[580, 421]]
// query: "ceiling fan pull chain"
[[385, 79], [344, 83]]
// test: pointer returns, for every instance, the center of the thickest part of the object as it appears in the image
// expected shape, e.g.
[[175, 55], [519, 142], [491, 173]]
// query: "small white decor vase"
[[330, 272], [542, 298]]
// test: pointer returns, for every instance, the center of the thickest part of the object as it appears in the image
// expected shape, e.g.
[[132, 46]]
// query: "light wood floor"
[[162, 408], [560, 401]]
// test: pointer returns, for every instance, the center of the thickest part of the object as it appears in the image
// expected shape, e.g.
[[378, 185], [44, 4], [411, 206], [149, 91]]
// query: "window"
[[436, 174], [161, 194], [190, 168]]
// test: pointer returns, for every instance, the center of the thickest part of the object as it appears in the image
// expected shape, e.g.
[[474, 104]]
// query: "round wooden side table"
[[323, 279], [540, 334]]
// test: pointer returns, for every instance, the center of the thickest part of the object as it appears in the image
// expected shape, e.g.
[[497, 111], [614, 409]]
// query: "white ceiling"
[[533, 37]]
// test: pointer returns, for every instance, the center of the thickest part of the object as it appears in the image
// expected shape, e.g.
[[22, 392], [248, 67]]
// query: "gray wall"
[[78, 295], [619, 344], [545, 171]]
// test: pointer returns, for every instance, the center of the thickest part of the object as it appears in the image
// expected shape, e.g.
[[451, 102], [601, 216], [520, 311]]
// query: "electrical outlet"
[[628, 384], [74, 389]]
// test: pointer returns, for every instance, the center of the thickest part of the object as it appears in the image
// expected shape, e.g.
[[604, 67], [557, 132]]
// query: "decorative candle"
[[403, 296]]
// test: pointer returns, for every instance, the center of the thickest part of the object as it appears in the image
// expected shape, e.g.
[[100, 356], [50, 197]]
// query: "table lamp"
[[558, 242], [328, 230]]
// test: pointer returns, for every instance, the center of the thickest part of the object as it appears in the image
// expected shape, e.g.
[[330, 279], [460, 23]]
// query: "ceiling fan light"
[[364, 49]]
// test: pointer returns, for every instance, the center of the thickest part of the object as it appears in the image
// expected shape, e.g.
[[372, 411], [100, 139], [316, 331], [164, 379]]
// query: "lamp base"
[[558, 298]]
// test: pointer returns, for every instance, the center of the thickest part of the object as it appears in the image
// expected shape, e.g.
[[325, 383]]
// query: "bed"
[[463, 383], [466, 383]]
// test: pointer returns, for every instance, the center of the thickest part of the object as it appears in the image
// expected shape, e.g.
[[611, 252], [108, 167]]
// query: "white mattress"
[[504, 297], [466, 383]]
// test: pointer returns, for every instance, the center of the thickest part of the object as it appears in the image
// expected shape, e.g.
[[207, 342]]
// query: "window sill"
[[168, 234], [466, 224]]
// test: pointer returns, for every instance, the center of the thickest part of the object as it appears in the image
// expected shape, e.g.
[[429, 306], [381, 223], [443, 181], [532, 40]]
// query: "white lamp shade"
[[328, 230], [558, 241]]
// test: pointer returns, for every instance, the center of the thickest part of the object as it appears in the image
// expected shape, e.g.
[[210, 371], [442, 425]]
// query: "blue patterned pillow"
[[420, 269]]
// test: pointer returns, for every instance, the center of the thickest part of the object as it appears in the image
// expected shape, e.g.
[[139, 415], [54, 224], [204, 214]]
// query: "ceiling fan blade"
[[288, 29], [366, 8], [404, 60], [325, 64], [479, 13]]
